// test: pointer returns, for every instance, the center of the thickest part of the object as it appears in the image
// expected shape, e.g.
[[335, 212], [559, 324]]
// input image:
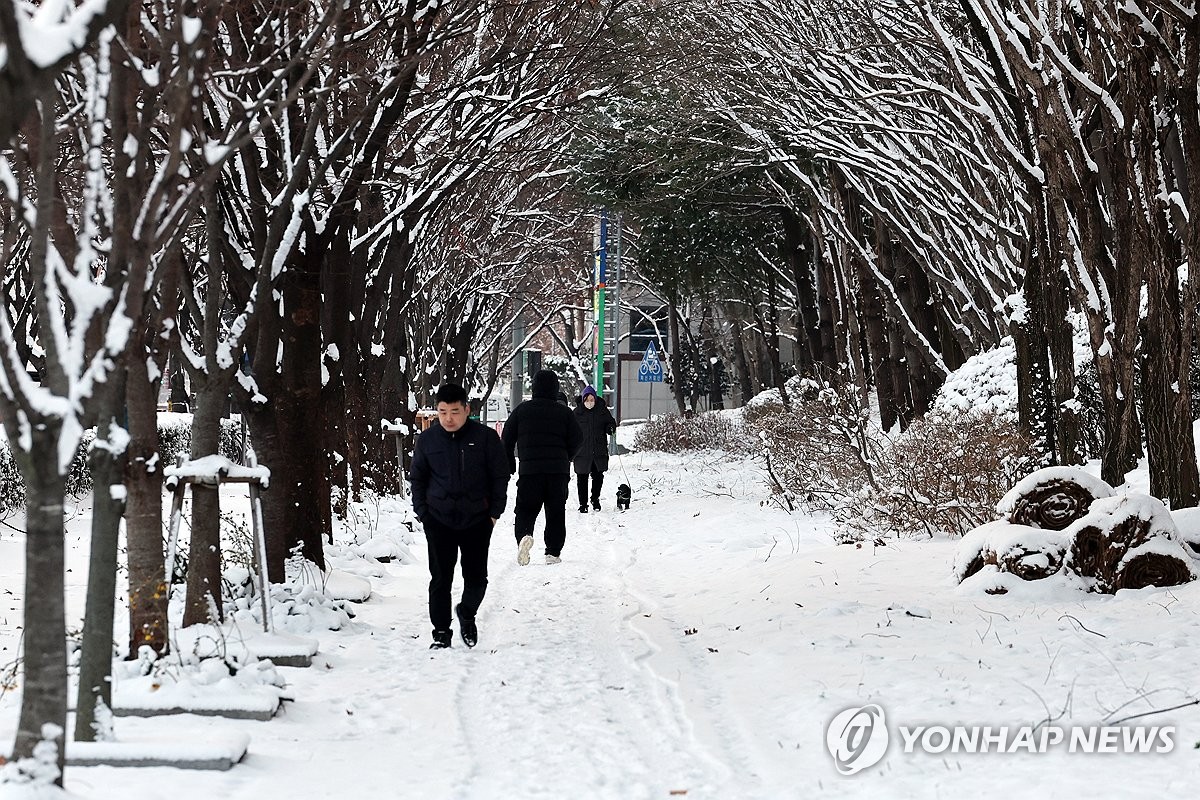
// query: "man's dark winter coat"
[[461, 478], [596, 423], [542, 431]]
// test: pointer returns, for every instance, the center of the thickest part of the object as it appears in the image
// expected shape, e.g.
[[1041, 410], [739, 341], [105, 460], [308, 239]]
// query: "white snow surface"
[[700, 642]]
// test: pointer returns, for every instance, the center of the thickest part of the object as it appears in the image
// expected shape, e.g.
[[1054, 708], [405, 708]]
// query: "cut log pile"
[[1064, 521]]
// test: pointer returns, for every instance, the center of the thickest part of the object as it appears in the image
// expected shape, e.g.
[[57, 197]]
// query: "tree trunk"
[[1034, 402], [901, 381], [808, 328], [302, 479], [204, 553], [1166, 345], [879, 356], [674, 355], [1113, 331], [95, 663], [148, 586], [276, 506], [44, 693], [339, 427], [739, 363], [826, 301]]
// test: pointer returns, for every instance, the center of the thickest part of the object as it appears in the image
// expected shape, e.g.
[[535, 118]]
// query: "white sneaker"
[[553, 560], [523, 550]]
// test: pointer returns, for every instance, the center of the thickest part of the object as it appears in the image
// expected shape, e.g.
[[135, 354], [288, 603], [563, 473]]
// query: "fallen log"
[[1052, 498], [1153, 569]]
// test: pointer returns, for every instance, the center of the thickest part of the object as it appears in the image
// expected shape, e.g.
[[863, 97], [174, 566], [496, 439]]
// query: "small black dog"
[[623, 494]]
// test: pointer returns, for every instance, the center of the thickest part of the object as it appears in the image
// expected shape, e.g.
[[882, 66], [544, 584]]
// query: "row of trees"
[[326, 209], [894, 187], [321, 210]]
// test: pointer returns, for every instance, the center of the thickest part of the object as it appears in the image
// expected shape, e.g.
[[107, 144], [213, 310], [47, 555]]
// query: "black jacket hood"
[[545, 384]]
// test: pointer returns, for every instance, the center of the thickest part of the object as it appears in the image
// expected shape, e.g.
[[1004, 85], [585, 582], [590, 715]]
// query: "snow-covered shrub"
[[821, 451], [12, 486], [175, 438], [709, 430], [759, 409], [943, 475], [987, 382]]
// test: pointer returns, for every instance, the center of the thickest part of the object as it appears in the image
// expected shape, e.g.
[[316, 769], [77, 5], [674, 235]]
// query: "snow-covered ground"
[[697, 646]]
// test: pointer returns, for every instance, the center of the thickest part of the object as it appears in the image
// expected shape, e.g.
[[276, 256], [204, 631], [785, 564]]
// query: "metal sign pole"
[[601, 277]]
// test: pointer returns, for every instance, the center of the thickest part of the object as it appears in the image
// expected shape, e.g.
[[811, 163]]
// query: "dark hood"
[[545, 384]]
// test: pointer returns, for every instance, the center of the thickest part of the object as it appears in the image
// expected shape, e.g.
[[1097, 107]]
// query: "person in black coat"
[[597, 423], [459, 479], [544, 434]]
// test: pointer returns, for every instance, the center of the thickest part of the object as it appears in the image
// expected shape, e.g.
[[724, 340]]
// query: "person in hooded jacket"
[[597, 424], [459, 479], [544, 435]]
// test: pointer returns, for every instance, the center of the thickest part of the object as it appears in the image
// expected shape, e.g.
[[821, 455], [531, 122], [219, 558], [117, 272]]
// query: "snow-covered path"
[[564, 697], [698, 644]]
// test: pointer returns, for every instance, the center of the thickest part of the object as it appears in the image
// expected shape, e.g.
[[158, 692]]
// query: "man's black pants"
[[444, 546], [535, 491]]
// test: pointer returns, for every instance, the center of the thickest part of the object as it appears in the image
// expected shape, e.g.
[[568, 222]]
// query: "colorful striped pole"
[[599, 302]]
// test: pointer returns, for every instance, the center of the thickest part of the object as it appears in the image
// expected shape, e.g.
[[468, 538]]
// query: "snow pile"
[[368, 541], [384, 547], [298, 609], [33, 778], [185, 682]]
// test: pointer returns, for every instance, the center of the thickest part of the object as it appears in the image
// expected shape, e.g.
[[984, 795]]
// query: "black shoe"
[[595, 505], [441, 639], [470, 633], [583, 508]]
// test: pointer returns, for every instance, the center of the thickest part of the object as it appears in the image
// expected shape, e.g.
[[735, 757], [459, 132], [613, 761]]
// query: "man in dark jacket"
[[459, 481], [597, 423], [544, 433]]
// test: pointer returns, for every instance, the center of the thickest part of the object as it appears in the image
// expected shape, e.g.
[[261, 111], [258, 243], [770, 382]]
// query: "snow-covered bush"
[[819, 452], [12, 486], [709, 430], [943, 475], [175, 438], [758, 410], [987, 383]]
